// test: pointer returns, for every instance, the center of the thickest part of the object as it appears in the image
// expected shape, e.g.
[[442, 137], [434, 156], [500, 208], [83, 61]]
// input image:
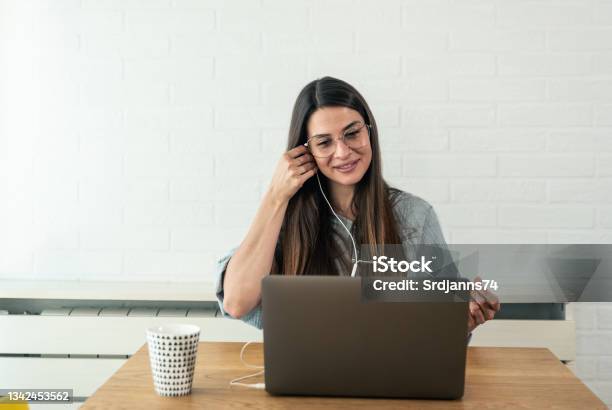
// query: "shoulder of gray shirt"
[[417, 222]]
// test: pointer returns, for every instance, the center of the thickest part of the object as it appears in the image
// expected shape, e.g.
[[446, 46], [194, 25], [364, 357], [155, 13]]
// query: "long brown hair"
[[307, 245]]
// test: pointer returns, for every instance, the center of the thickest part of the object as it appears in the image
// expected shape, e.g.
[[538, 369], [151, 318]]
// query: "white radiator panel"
[[108, 335], [557, 335], [84, 376]]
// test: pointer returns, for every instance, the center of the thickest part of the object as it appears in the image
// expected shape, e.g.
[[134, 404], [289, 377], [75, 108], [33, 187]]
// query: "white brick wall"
[[136, 137]]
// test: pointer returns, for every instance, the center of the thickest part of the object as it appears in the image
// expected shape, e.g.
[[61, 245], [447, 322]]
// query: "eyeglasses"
[[355, 137]]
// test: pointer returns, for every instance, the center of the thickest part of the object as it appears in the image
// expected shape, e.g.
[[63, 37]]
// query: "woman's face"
[[346, 166]]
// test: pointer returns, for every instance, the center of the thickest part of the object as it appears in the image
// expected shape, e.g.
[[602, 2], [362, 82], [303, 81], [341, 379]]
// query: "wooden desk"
[[496, 378]]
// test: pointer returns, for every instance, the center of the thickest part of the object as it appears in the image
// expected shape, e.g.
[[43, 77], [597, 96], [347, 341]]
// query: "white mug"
[[172, 354]]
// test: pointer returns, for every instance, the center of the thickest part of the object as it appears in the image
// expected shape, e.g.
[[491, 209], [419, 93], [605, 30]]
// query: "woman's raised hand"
[[293, 169]]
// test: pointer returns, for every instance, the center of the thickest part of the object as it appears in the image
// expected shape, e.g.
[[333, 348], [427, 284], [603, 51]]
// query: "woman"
[[332, 160]]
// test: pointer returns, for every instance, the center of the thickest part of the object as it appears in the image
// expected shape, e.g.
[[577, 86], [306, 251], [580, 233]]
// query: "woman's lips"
[[348, 167]]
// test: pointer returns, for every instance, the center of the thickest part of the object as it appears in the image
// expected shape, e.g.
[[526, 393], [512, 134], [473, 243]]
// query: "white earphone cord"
[[236, 381], [356, 260]]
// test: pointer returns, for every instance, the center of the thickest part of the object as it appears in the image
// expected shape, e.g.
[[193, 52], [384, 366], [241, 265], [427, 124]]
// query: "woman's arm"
[[254, 257]]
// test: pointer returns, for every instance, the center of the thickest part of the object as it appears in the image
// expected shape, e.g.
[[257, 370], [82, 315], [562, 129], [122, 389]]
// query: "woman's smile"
[[347, 166]]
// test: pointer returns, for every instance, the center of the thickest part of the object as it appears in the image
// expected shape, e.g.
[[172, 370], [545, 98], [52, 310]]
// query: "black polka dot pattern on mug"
[[172, 356]]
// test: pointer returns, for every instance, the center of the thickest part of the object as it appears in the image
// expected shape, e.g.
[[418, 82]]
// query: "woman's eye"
[[322, 142], [351, 135]]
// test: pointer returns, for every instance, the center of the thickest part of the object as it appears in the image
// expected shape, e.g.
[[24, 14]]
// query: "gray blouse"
[[418, 225]]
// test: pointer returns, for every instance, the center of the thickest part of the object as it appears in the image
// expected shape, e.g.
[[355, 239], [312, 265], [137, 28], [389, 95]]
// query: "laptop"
[[320, 339]]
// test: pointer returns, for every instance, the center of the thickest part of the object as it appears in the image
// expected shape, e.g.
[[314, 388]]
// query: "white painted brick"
[[545, 114], [538, 64], [412, 140], [69, 214], [168, 70], [551, 165], [497, 40], [476, 216], [586, 367], [245, 165], [603, 391], [583, 190], [603, 114], [143, 45], [499, 89], [604, 165], [432, 190], [99, 164], [228, 67], [101, 94], [590, 344], [252, 117], [605, 217], [498, 190], [605, 368], [445, 65], [400, 90], [169, 165], [496, 236], [544, 14], [586, 140], [119, 190], [392, 164], [74, 265], [227, 189], [281, 92], [192, 118], [583, 237], [451, 115], [218, 240], [48, 188], [602, 63], [140, 237], [580, 40], [226, 141], [585, 315], [166, 265], [164, 214], [449, 165], [17, 265], [57, 238], [235, 214], [357, 66], [387, 115], [604, 318], [602, 13], [405, 42], [215, 44], [346, 16], [250, 17], [580, 90], [546, 216], [195, 93], [324, 41], [497, 140], [441, 14], [148, 22], [274, 141], [147, 94]]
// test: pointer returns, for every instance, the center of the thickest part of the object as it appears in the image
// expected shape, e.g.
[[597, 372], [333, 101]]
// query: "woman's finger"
[[302, 169], [477, 313], [302, 159], [297, 151], [308, 174]]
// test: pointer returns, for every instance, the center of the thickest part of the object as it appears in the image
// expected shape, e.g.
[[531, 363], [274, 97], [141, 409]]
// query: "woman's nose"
[[342, 150]]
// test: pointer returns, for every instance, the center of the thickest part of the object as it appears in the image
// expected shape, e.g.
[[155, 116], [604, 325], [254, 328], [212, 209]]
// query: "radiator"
[[81, 348]]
